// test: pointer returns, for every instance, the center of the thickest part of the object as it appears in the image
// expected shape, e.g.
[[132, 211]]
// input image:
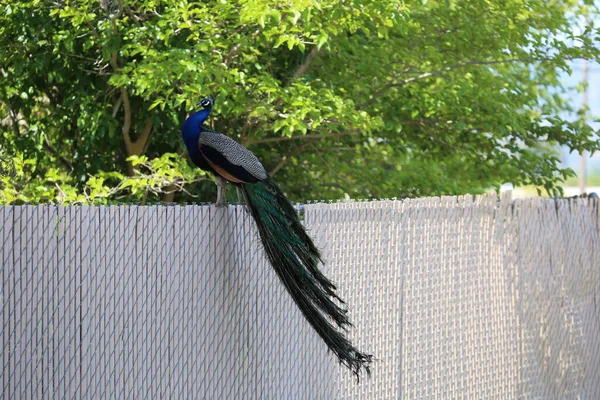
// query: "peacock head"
[[206, 103], [193, 124]]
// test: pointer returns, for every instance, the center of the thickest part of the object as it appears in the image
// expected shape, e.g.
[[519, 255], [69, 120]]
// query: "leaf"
[[280, 40], [321, 40], [156, 103]]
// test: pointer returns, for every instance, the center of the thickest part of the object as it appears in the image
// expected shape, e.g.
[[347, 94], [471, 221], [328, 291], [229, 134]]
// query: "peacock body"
[[289, 248]]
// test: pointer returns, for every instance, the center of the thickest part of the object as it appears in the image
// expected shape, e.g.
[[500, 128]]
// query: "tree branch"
[[138, 146], [127, 117], [132, 147], [297, 74], [304, 66], [169, 194], [232, 53], [68, 166], [329, 167], [303, 137], [291, 155], [14, 120], [441, 71]]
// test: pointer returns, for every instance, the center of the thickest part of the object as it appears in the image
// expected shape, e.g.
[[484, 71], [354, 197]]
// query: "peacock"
[[289, 248]]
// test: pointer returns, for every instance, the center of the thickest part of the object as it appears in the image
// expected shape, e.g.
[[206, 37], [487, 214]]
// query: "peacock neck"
[[190, 131]]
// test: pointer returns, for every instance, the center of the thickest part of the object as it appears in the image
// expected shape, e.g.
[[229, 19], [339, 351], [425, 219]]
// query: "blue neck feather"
[[190, 131]]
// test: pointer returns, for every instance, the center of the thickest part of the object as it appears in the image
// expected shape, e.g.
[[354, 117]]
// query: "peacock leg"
[[221, 191], [241, 198], [240, 195]]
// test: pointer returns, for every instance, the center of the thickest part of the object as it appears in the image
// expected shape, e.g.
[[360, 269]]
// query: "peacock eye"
[[205, 103]]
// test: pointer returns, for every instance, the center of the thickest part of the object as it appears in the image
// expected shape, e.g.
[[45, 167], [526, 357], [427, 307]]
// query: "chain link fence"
[[456, 297]]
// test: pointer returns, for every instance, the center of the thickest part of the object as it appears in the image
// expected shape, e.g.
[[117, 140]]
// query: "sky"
[[572, 160]]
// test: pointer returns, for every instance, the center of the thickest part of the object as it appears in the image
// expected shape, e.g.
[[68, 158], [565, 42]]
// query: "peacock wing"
[[230, 159]]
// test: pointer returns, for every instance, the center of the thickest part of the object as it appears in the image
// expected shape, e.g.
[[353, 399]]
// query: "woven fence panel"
[[469, 298], [457, 298], [147, 302], [558, 286]]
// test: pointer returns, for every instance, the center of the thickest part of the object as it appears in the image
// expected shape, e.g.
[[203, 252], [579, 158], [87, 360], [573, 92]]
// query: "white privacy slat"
[[48, 264], [109, 324], [457, 297], [72, 303], [166, 287], [144, 299], [129, 226], [122, 273], [50, 277], [20, 315], [140, 270], [77, 276], [36, 229], [100, 237], [27, 290], [12, 328], [6, 227], [11, 223], [218, 270], [183, 298], [90, 254], [21, 294], [162, 360], [32, 341], [59, 307], [178, 289], [202, 317]]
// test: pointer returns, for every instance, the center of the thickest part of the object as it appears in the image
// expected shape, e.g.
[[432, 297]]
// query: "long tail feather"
[[295, 259]]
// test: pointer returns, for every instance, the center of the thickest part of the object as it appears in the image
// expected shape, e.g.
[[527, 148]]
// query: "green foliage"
[[368, 99], [163, 175]]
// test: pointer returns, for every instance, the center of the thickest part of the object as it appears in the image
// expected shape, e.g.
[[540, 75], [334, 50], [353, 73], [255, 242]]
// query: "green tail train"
[[295, 259]]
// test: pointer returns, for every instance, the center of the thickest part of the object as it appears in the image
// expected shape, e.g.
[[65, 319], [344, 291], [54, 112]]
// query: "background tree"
[[359, 99]]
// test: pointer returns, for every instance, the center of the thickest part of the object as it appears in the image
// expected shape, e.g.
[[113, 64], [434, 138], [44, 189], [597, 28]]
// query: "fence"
[[456, 298]]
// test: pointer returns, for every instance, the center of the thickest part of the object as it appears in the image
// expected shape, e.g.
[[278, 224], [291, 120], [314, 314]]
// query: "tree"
[[361, 99]]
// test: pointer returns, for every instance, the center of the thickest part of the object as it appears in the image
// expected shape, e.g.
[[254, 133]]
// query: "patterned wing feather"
[[231, 156]]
